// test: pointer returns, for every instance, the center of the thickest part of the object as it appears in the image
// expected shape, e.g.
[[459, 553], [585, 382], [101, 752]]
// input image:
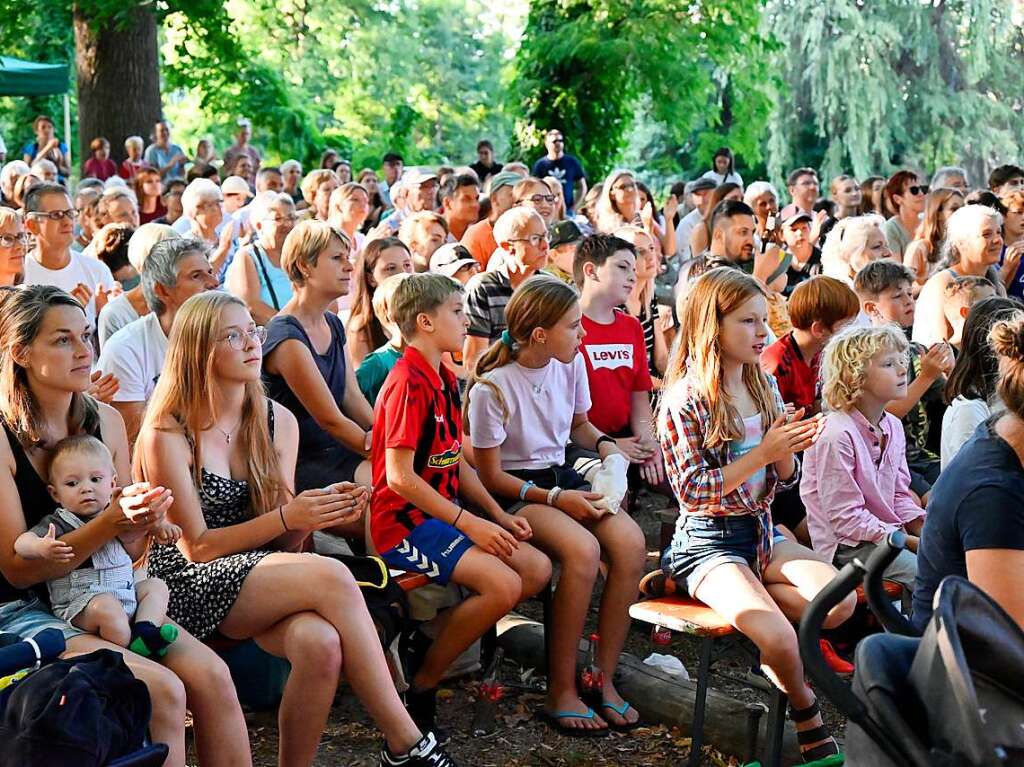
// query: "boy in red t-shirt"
[[417, 522], [818, 309], [613, 348]]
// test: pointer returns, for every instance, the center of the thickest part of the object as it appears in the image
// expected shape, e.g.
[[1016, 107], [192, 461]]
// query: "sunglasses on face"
[[56, 215], [917, 189]]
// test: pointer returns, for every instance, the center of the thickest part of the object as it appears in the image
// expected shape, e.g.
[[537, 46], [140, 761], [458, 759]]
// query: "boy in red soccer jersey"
[[417, 520]]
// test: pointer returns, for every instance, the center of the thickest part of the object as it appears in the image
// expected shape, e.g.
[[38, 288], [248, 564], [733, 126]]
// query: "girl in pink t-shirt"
[[529, 395]]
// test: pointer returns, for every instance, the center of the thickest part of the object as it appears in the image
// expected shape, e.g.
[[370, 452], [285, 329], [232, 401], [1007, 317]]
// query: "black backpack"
[[83, 712]]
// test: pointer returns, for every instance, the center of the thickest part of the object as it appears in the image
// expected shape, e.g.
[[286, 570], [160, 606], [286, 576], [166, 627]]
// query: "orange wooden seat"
[[682, 614], [410, 581], [892, 589]]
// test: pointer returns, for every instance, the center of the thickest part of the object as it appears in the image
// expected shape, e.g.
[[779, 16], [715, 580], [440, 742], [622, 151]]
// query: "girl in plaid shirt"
[[729, 443]]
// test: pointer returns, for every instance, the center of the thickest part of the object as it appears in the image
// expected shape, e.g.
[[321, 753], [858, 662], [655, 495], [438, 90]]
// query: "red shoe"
[[834, 661]]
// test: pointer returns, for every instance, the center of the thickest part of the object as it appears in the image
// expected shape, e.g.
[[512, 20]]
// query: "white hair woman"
[[853, 243], [10, 173], [202, 206], [255, 275], [973, 246], [763, 199]]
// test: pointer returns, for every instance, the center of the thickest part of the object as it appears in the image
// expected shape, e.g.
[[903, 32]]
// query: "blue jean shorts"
[[703, 542], [433, 549], [27, 617]]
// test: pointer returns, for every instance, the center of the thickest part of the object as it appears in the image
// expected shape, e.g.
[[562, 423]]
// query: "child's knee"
[[535, 574], [584, 557], [152, 588], [841, 613], [779, 645]]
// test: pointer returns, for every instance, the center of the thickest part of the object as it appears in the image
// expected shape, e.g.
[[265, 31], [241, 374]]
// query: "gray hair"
[[10, 173], [134, 141], [758, 188], [161, 268], [264, 201], [945, 172], [143, 241], [513, 220], [43, 167], [962, 225], [198, 192], [287, 165]]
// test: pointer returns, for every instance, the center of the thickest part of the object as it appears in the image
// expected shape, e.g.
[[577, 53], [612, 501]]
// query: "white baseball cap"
[[447, 261], [236, 185]]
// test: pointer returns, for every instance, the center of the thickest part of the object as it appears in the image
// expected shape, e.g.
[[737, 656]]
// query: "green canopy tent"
[[28, 78]]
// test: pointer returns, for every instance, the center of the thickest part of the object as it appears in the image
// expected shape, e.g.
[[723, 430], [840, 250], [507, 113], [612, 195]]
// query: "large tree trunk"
[[118, 80]]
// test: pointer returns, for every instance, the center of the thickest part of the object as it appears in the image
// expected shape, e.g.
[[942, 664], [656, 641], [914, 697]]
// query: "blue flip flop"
[[553, 719], [621, 711]]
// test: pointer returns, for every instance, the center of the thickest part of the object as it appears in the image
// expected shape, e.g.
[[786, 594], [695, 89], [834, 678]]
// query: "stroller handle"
[[881, 605], [809, 635]]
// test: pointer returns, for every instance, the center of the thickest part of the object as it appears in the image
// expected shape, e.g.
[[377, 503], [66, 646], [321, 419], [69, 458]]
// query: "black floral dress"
[[202, 593]]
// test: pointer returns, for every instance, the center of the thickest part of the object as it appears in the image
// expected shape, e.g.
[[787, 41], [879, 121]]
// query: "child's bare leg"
[[624, 548], [153, 597], [497, 590], [105, 617]]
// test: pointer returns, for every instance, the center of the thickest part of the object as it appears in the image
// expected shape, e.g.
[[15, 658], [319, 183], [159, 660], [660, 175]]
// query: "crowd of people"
[[202, 362]]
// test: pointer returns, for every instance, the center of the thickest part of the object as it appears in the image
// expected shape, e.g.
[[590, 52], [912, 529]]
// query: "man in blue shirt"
[[167, 158], [564, 167]]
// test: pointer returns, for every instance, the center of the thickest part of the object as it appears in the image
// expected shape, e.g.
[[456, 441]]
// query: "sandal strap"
[[803, 714], [820, 752], [806, 737]]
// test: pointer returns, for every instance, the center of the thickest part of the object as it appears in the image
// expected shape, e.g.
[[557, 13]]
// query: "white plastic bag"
[[670, 664], [610, 481]]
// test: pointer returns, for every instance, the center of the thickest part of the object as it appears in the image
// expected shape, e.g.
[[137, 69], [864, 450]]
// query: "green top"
[[374, 370]]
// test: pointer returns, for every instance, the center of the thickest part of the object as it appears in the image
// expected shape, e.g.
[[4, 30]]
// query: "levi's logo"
[[610, 356]]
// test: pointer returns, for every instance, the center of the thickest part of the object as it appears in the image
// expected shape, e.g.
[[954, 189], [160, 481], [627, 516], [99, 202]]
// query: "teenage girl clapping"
[[729, 444]]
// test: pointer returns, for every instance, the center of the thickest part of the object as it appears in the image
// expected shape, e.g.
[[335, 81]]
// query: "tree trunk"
[[118, 80]]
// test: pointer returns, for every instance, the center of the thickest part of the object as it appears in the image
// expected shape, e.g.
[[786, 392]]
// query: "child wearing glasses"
[[102, 596]]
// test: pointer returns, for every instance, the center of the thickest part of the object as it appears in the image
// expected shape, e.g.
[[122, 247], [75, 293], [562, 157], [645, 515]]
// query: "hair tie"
[[506, 338]]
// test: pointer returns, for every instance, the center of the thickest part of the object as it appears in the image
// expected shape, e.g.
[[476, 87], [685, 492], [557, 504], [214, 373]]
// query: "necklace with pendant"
[[227, 434]]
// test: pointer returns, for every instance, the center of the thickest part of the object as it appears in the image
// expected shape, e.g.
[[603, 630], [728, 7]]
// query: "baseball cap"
[[449, 258], [796, 218], [416, 177], [562, 233], [235, 185], [505, 178], [700, 185]]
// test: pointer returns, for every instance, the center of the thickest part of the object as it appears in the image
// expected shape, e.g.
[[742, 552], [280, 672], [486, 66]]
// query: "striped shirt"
[[487, 296]]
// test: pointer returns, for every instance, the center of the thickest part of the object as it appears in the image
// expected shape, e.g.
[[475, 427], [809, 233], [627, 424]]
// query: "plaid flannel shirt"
[[695, 472]]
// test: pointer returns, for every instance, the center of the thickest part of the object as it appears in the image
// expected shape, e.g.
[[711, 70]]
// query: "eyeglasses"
[[917, 189], [209, 204], [558, 140], [534, 239], [10, 240], [236, 338], [55, 215], [537, 199]]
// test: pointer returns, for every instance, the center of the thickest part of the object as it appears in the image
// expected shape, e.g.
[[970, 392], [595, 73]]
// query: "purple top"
[[856, 485]]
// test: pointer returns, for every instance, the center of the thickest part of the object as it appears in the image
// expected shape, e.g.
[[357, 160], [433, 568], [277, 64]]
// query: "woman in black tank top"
[[46, 356]]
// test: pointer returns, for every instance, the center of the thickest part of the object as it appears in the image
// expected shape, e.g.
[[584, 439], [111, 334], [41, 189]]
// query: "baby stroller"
[[951, 696], [44, 708]]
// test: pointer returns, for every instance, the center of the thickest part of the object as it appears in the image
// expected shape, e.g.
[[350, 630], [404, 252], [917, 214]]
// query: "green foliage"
[[874, 86], [591, 67]]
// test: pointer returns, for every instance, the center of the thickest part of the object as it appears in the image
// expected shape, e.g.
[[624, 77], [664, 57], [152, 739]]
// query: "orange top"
[[479, 241]]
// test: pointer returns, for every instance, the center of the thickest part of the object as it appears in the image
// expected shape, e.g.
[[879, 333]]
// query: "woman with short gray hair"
[[202, 206], [255, 274]]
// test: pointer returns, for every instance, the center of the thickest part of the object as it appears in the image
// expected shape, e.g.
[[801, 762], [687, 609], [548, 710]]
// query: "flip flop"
[[553, 719], [621, 711]]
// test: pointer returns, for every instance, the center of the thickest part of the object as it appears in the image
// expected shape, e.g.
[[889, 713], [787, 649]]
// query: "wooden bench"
[[716, 637]]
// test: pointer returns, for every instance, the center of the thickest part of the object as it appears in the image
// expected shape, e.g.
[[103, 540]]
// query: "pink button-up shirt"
[[854, 491]]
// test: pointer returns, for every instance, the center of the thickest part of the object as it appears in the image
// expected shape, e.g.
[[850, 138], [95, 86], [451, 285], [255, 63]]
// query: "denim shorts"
[[702, 542], [27, 617]]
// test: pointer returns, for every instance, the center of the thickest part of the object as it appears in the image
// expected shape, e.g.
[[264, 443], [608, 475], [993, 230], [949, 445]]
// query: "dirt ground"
[[350, 740]]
